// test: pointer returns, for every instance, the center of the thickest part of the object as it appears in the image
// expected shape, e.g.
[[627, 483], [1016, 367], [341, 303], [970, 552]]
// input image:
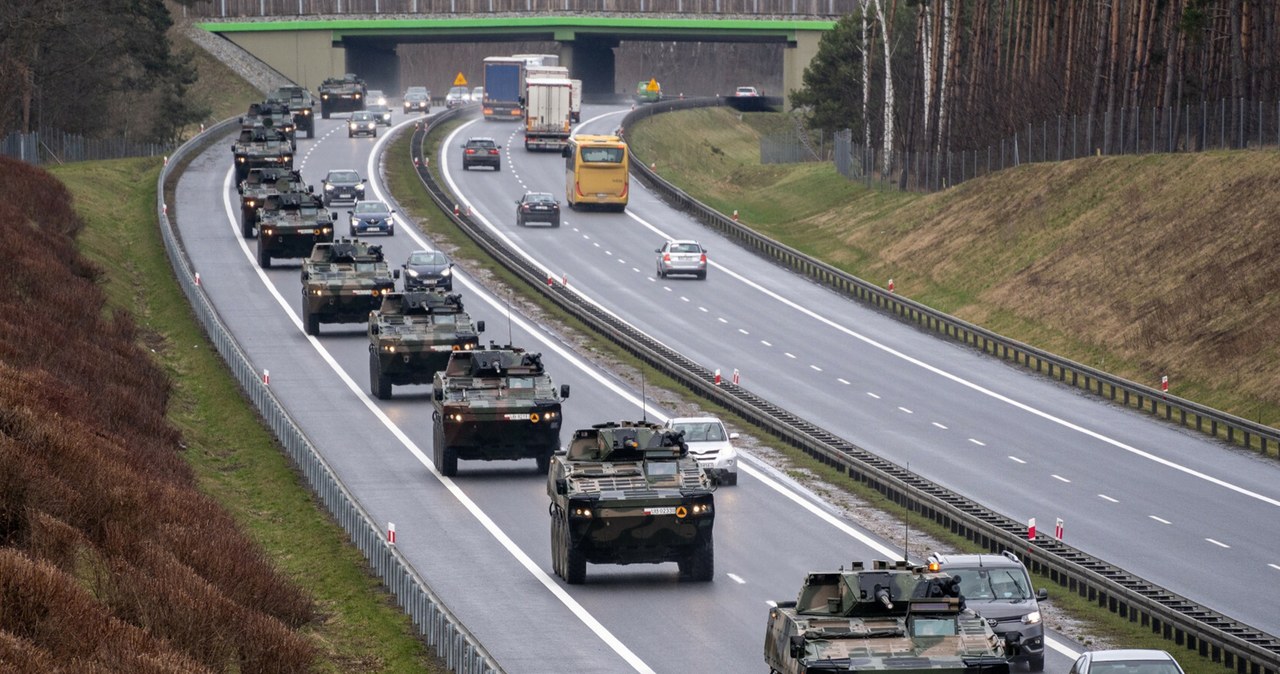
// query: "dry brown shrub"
[[20, 656]]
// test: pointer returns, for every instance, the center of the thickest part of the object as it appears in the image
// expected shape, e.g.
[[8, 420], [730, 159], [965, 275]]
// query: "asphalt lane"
[[482, 539], [1021, 444]]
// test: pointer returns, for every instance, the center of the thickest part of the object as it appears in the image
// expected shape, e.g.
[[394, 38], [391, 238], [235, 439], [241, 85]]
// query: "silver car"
[[711, 445], [1126, 661], [682, 256]]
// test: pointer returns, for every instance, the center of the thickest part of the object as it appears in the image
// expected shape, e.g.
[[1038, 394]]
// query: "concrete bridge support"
[[795, 58], [591, 59]]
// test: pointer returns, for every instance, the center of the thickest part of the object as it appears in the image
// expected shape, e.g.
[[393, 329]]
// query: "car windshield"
[[428, 257], [1134, 667], [539, 197], [1009, 584], [701, 431], [686, 248], [344, 177], [371, 207], [458, 91], [361, 116], [480, 143]]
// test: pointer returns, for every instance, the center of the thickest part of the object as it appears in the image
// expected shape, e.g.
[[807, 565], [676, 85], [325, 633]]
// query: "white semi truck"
[[547, 120]]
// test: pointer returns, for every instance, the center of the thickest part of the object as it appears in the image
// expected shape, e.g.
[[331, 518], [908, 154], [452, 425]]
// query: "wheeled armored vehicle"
[[261, 147], [260, 184], [343, 281], [412, 335], [301, 104], [630, 493], [290, 224], [495, 403], [342, 94]]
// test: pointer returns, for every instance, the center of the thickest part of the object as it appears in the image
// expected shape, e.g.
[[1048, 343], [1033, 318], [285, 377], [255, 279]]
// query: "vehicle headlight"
[[700, 509], [447, 272], [249, 203], [389, 348], [1031, 618], [316, 291], [579, 511], [266, 231], [351, 125], [326, 230], [240, 159], [360, 187], [411, 272]]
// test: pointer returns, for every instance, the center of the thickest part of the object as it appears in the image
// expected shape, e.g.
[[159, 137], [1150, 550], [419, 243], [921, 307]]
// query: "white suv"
[[710, 444]]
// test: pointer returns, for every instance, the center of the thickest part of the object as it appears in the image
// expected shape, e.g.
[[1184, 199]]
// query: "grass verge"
[[235, 457]]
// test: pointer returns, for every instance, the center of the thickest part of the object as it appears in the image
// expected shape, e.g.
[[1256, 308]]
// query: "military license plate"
[[306, 231], [516, 417], [361, 292], [665, 510]]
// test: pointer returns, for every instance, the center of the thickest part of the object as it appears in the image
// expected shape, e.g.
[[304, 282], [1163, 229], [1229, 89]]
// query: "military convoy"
[[261, 147], [290, 224], [271, 114], [630, 493], [413, 334], [342, 94], [260, 184], [892, 617], [495, 403], [300, 103], [343, 281]]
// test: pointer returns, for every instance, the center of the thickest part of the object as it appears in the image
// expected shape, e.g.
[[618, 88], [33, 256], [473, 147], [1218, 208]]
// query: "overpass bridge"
[[307, 49]]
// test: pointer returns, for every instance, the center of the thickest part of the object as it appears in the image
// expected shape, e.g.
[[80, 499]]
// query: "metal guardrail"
[[1176, 618], [1235, 430], [454, 644]]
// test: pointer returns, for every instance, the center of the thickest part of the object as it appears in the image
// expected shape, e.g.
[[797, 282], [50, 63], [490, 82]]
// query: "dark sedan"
[[372, 216], [381, 113], [342, 185], [427, 269], [538, 207]]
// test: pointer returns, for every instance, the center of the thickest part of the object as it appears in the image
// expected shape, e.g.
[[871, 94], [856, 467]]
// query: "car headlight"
[[351, 125], [359, 187], [328, 187], [1031, 618], [411, 272], [447, 272]]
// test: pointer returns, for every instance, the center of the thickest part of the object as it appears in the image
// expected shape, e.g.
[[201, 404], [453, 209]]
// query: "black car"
[[481, 152], [372, 216], [363, 123], [381, 113], [537, 207], [417, 101], [342, 185], [427, 269]]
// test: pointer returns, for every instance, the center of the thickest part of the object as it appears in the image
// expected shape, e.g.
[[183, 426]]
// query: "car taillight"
[[666, 257], [623, 194], [493, 151], [470, 151], [704, 258], [577, 187]]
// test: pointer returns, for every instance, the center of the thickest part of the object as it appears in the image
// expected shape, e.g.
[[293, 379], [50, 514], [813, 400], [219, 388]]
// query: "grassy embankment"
[[234, 456]]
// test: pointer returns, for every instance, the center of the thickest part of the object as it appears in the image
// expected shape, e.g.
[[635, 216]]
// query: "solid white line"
[[736, 578], [978, 442], [939, 425], [1107, 498], [1061, 479], [1160, 519], [1218, 543], [1274, 566], [1017, 460]]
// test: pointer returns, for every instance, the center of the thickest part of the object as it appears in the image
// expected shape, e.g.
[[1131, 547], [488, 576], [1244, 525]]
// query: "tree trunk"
[[887, 41]]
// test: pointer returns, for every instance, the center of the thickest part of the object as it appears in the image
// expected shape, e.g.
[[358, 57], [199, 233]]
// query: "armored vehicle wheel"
[[574, 562], [311, 321], [700, 564], [324, 114], [544, 463], [379, 387], [264, 258], [246, 227], [445, 458], [729, 479], [556, 567]]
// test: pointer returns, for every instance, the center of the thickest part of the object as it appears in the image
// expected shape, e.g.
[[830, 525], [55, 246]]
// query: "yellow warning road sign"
[[653, 85], [459, 81]]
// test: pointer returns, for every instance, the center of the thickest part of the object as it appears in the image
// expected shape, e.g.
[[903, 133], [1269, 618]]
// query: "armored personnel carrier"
[[412, 335], [343, 281], [273, 114], [261, 147], [892, 617], [290, 224], [630, 493], [300, 103], [260, 184], [342, 94], [495, 403]]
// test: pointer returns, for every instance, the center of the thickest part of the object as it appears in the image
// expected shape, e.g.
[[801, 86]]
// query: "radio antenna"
[[509, 340], [906, 535], [644, 405]]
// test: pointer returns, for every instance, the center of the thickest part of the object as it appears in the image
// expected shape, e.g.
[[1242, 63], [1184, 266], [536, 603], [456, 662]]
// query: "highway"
[[482, 539], [1166, 503]]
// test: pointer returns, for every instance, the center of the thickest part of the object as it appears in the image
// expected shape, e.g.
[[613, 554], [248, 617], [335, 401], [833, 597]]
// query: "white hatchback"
[[711, 445]]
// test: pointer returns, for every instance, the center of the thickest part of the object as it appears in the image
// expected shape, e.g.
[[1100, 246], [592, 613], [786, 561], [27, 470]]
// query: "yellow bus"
[[597, 172]]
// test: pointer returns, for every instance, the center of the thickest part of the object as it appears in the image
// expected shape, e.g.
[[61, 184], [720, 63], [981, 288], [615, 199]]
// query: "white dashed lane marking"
[[1060, 478], [1107, 498], [843, 381], [736, 578], [1017, 460], [905, 410], [1160, 519], [978, 442], [765, 343], [939, 425], [873, 395]]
